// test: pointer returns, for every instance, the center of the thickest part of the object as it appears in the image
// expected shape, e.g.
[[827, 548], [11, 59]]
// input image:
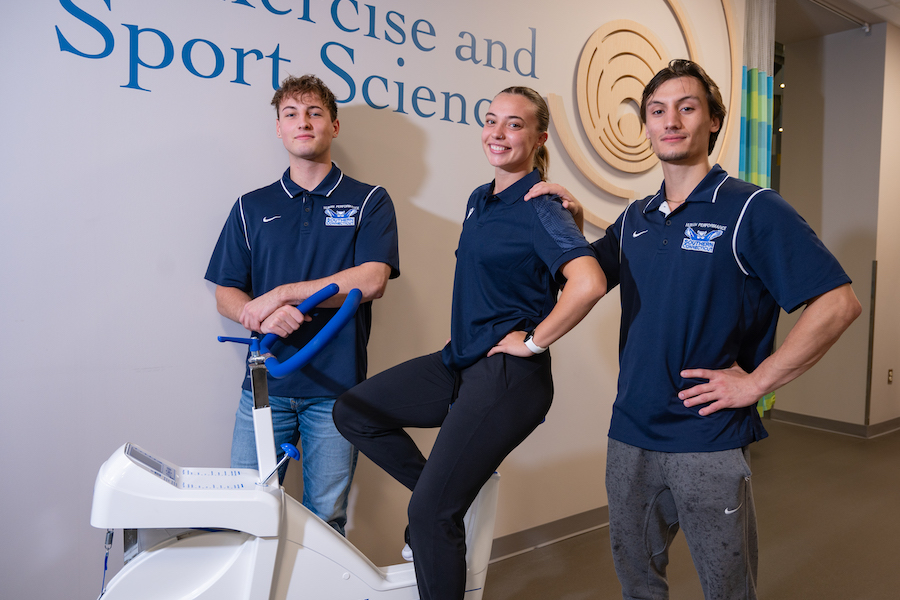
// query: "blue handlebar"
[[314, 346], [321, 339], [304, 307]]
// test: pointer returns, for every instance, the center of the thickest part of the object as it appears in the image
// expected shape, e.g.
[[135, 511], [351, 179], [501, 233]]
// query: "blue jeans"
[[328, 459]]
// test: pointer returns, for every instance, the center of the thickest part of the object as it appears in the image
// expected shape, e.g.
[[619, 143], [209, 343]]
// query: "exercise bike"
[[229, 533]]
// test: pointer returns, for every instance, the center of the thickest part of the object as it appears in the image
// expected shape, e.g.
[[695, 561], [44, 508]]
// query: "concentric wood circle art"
[[617, 61]]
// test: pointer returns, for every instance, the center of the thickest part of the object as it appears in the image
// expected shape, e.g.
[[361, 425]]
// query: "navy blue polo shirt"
[[507, 267], [282, 234], [701, 288]]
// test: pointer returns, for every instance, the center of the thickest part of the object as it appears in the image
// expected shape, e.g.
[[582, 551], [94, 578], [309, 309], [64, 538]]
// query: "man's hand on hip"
[[726, 388]]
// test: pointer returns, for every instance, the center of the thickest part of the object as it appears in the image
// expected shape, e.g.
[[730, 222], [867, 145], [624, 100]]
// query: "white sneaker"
[[406, 553]]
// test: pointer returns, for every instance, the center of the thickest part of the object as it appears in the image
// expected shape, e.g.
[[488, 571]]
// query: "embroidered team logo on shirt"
[[699, 236], [340, 215]]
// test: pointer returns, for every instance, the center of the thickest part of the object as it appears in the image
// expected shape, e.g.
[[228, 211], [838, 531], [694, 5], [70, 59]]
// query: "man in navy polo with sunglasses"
[[281, 244]]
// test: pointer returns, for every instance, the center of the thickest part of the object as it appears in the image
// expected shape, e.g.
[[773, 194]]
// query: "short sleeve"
[[608, 251], [376, 239], [230, 264], [776, 245], [557, 239]]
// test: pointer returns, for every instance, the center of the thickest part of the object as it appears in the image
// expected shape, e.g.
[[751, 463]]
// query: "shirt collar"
[[516, 190], [706, 190], [325, 188]]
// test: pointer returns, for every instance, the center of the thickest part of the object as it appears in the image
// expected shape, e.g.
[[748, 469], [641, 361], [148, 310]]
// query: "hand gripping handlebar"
[[346, 312]]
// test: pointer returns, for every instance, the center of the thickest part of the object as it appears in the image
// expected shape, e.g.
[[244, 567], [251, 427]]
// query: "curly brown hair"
[[297, 87]]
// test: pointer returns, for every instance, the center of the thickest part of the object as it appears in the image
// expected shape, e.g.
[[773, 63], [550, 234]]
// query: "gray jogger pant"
[[706, 494]]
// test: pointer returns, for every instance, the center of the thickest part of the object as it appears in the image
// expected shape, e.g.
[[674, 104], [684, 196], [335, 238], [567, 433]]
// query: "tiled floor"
[[828, 507]]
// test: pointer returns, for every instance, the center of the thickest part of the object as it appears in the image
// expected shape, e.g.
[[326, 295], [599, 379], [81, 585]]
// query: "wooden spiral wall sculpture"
[[617, 62]]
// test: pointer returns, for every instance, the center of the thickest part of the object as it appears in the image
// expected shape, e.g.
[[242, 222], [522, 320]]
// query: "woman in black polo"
[[495, 372]]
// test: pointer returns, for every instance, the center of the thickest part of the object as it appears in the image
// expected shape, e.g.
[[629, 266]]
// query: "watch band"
[[529, 343]]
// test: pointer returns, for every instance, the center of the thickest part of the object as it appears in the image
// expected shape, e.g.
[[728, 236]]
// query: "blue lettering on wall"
[[90, 21], [241, 55], [276, 58], [134, 59], [396, 27], [530, 52], [188, 60], [273, 10], [462, 108], [379, 94], [331, 66], [337, 20], [478, 111], [268, 6], [345, 14], [417, 31], [365, 90], [151, 49], [155, 37], [468, 52]]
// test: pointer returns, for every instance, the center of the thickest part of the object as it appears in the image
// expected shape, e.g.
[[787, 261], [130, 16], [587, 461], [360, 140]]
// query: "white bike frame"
[[227, 535]]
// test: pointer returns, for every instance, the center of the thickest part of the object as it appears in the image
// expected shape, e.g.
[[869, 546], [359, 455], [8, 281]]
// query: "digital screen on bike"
[[146, 460], [157, 467]]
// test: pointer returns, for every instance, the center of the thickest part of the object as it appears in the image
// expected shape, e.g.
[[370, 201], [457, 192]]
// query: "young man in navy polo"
[[703, 267], [282, 243]]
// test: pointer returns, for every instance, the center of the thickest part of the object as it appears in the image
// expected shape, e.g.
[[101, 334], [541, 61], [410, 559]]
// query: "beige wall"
[[114, 197], [839, 170], [885, 400], [559, 471]]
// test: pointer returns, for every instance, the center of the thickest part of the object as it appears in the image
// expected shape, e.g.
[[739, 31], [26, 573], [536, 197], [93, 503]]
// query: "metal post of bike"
[[262, 412]]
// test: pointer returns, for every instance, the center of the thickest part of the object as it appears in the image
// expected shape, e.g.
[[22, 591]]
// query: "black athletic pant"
[[484, 412]]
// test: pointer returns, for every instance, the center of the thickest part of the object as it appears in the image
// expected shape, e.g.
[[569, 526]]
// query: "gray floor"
[[828, 507]]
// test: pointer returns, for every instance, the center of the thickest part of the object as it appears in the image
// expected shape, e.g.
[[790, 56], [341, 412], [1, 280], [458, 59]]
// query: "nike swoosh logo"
[[270, 219], [639, 233], [471, 210], [731, 511]]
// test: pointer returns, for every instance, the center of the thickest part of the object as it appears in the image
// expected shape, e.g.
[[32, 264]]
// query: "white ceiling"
[[888, 10], [798, 20]]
